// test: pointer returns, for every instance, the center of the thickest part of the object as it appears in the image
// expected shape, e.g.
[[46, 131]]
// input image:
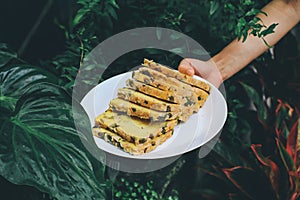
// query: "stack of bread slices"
[[146, 111]]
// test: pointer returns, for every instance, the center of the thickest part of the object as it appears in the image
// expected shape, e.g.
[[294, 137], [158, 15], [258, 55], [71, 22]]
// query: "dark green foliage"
[[135, 190], [40, 146], [97, 20], [153, 185]]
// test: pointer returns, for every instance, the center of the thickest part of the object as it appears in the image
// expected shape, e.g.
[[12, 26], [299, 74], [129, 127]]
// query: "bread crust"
[[176, 74], [132, 129], [129, 147]]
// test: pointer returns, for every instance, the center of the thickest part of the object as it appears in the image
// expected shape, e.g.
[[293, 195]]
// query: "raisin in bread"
[[133, 129], [130, 147], [147, 101], [135, 110], [176, 74]]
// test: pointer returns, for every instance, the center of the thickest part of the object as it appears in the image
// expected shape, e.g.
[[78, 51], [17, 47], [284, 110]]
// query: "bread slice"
[[176, 74], [201, 96], [135, 110], [128, 146], [179, 88], [147, 101], [154, 92], [161, 81], [153, 81], [133, 129]]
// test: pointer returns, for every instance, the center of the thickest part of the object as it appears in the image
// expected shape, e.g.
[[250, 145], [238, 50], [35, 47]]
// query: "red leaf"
[[295, 181], [289, 165], [274, 174], [285, 105], [292, 141], [256, 148], [295, 195], [228, 173], [278, 106], [250, 183], [285, 157], [273, 171]]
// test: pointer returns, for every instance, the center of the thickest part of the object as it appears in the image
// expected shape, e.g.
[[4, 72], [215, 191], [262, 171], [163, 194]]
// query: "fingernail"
[[190, 72]]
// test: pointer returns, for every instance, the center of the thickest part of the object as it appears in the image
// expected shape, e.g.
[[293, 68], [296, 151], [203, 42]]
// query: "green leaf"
[[16, 79], [113, 3], [240, 27], [285, 157], [40, 146], [269, 30], [180, 16], [5, 54], [254, 12], [79, 16], [214, 6], [258, 102], [245, 35], [112, 12], [227, 155]]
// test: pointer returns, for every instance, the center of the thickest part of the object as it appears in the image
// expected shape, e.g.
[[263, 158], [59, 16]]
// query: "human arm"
[[238, 54]]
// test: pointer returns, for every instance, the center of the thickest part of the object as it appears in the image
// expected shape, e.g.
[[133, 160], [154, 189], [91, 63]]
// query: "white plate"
[[196, 131]]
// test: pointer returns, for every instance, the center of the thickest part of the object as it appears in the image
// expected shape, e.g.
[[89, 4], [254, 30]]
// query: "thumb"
[[186, 68]]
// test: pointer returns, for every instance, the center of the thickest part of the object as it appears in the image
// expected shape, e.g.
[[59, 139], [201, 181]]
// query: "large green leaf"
[[15, 80], [40, 146]]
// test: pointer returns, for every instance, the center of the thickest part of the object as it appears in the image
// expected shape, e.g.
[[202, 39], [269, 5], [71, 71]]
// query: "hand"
[[205, 69]]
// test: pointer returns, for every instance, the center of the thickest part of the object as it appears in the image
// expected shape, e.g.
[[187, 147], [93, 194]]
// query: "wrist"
[[222, 66]]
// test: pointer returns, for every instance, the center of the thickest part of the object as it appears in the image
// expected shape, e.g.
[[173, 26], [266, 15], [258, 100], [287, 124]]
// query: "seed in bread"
[[150, 80], [176, 74], [133, 129], [158, 79], [201, 96], [135, 110], [129, 147], [152, 91], [147, 101]]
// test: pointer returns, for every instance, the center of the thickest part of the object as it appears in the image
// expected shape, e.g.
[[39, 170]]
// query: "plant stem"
[[172, 173]]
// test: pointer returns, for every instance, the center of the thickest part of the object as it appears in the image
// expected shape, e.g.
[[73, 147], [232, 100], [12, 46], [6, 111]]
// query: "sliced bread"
[[176, 74], [154, 92], [130, 147], [133, 129], [135, 110], [147, 101]]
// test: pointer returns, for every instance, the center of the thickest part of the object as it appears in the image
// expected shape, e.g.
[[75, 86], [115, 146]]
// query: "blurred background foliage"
[[255, 158]]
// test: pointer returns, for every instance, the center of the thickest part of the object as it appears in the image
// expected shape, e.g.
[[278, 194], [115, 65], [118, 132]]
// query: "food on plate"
[[133, 129], [176, 74], [154, 92], [147, 101], [129, 147], [135, 110], [163, 82], [146, 111]]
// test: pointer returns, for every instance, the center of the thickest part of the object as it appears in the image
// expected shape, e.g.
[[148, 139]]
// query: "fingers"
[[186, 68]]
